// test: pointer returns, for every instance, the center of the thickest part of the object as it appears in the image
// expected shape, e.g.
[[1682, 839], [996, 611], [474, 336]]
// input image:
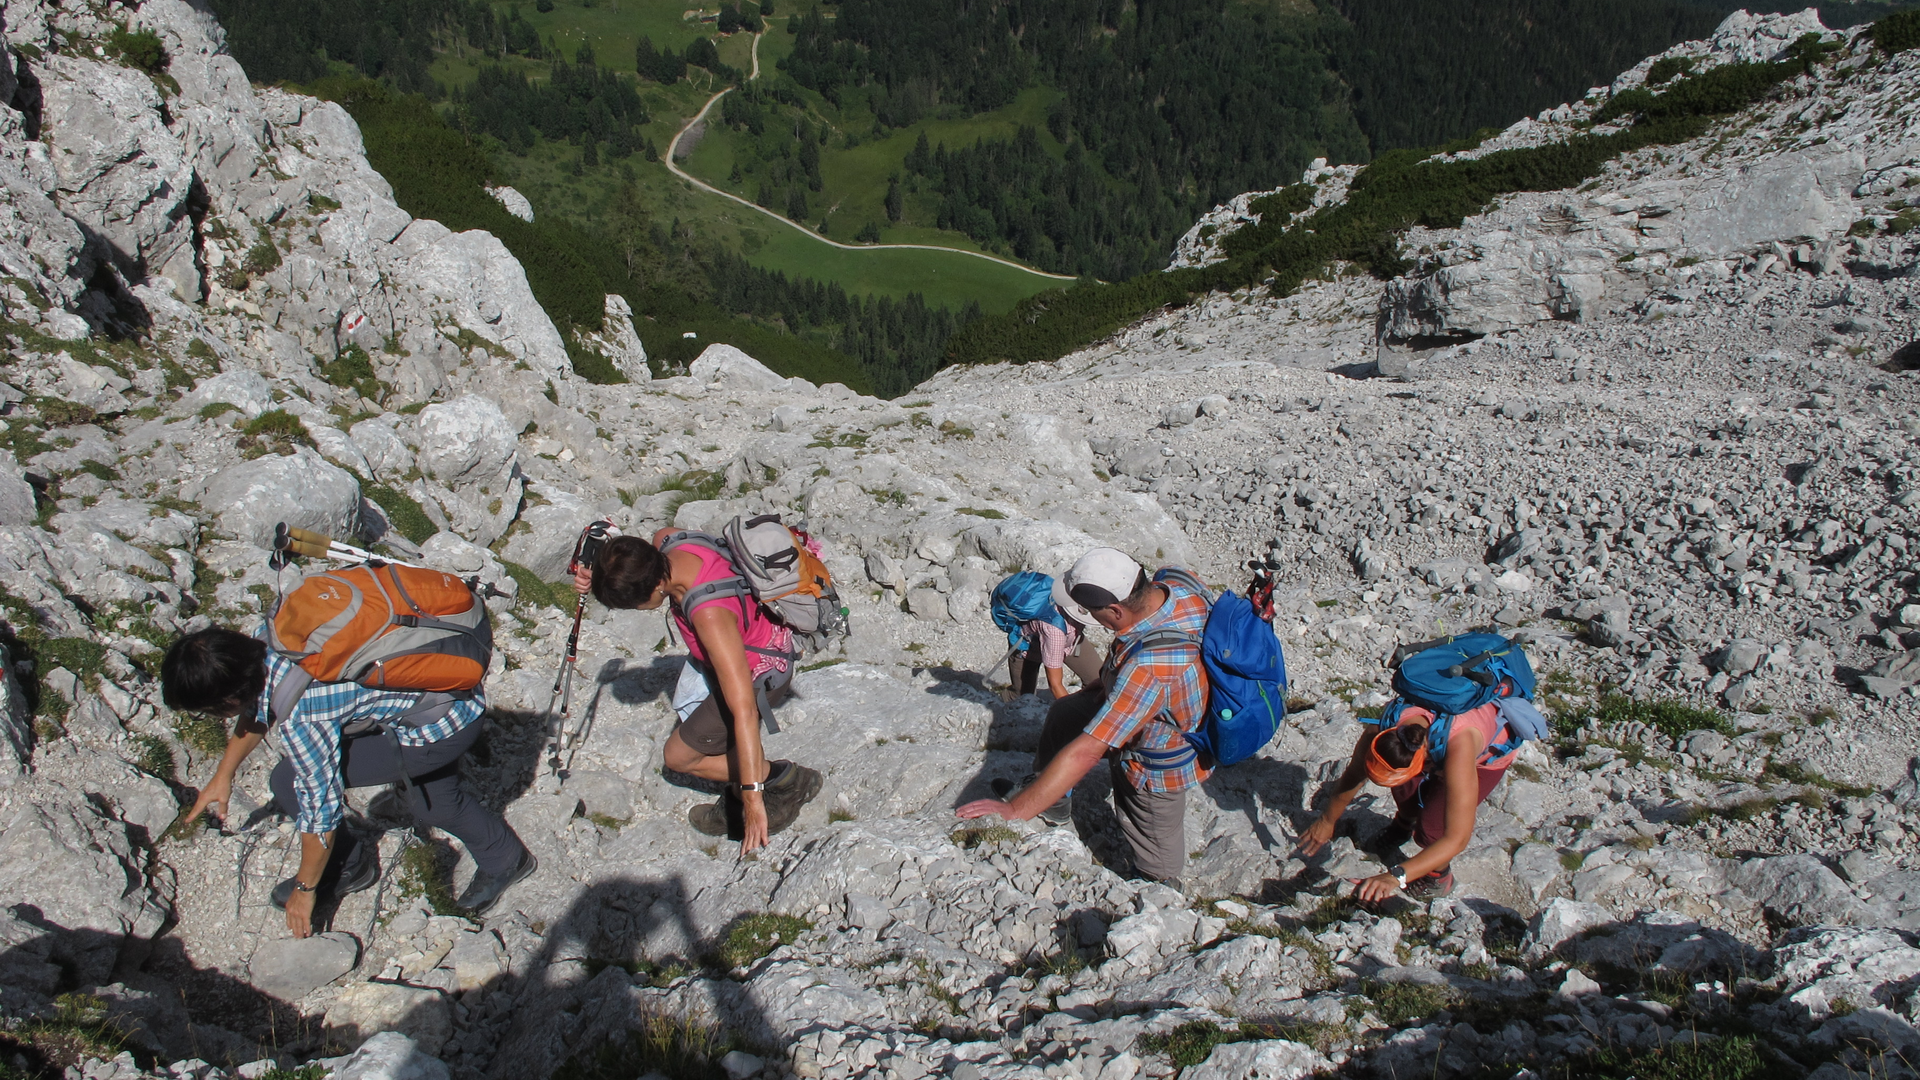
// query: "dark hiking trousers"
[[438, 800], [1154, 822]]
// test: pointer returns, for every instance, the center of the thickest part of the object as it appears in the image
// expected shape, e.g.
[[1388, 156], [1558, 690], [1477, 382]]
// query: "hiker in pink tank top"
[[1437, 801], [745, 660]]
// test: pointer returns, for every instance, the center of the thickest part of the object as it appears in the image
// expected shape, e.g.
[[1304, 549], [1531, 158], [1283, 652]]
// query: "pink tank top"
[[1485, 720], [757, 631]]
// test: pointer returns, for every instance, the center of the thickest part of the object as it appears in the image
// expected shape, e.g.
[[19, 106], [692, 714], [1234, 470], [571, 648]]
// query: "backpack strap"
[[726, 588], [420, 617]]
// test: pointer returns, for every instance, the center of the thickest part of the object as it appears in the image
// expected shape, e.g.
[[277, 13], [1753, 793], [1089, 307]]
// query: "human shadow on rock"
[[163, 1007], [577, 1008]]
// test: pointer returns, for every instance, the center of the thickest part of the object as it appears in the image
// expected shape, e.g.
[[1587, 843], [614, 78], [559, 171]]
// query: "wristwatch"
[[760, 786], [301, 886], [1399, 874]]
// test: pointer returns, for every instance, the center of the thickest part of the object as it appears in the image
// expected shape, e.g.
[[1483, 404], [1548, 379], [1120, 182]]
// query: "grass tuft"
[[990, 834], [754, 936]]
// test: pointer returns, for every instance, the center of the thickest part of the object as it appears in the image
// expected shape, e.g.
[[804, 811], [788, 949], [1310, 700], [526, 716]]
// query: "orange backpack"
[[387, 627]]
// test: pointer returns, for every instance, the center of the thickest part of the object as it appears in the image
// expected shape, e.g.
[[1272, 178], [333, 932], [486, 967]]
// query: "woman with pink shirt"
[[1437, 800], [744, 658]]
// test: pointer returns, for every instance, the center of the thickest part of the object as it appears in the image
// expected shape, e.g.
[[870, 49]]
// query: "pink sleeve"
[[1053, 645]]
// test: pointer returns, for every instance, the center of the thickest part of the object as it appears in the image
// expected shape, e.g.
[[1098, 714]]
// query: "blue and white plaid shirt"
[[310, 735]]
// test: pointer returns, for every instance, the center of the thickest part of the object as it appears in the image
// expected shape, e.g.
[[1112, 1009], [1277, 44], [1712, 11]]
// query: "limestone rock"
[[476, 273], [389, 1055], [85, 879], [1800, 889], [466, 439], [617, 341], [729, 366], [379, 441], [302, 489], [17, 501], [363, 1010], [244, 390], [516, 203], [290, 968], [1261, 1059]]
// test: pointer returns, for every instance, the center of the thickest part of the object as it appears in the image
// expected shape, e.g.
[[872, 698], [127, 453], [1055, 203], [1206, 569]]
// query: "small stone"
[[739, 1065], [1577, 984]]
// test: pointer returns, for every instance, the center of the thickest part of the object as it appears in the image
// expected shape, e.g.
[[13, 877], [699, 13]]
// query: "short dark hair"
[[1397, 745], [627, 572], [209, 668]]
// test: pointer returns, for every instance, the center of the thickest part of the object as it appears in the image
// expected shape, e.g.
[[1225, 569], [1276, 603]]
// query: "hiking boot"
[[1060, 813], [789, 787], [725, 816], [1431, 886], [486, 889], [788, 791], [354, 867]]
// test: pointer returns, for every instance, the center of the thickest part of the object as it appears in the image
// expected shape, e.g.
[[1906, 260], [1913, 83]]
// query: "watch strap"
[[301, 886], [761, 786], [1399, 873]]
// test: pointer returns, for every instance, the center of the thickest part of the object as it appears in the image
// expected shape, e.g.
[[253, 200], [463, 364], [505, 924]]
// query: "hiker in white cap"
[[1152, 691]]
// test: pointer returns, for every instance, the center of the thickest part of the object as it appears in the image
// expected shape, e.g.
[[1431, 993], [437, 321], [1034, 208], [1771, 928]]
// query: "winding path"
[[673, 148]]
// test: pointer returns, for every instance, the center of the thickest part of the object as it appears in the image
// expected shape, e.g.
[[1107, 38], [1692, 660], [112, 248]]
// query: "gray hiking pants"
[[1154, 822], [438, 800]]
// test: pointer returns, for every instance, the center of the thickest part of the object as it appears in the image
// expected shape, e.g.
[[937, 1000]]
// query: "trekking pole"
[[305, 543], [585, 551]]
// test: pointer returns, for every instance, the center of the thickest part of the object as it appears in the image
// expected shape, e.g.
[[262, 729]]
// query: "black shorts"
[[709, 730]]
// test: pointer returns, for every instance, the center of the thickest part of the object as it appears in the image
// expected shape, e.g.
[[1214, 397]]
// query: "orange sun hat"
[[1386, 775]]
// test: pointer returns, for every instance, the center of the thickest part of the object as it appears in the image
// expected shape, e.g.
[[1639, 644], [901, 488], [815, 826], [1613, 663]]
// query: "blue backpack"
[[1022, 598], [1246, 678], [1460, 674]]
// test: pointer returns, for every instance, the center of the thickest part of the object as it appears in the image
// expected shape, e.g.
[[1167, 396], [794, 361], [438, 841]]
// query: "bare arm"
[[219, 789], [1321, 832], [1058, 778], [315, 850], [719, 634]]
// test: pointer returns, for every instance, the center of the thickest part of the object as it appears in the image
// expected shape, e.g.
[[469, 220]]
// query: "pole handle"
[[305, 547]]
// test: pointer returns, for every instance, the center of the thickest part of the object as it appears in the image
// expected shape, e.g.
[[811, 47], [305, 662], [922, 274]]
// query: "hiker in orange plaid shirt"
[[1152, 691]]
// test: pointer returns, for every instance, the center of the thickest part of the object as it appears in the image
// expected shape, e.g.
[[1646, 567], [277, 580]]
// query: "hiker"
[[1035, 610], [225, 673], [1436, 802], [1137, 715], [745, 661]]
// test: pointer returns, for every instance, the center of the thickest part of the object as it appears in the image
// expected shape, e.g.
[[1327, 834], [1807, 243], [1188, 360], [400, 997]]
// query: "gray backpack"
[[773, 567]]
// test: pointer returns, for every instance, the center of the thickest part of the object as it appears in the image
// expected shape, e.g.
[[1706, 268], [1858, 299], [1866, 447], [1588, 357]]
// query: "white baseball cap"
[[1066, 604], [1103, 577]]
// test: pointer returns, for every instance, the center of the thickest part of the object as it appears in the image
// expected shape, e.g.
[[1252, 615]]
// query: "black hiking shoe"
[[486, 889], [789, 787], [354, 867]]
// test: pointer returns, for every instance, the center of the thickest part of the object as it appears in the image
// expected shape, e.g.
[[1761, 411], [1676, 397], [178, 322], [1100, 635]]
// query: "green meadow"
[[855, 170]]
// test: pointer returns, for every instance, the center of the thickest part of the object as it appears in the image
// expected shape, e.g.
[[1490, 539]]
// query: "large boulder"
[[122, 174], [363, 1010], [387, 1056], [379, 440], [464, 440], [291, 968], [729, 366], [16, 495], [617, 341], [302, 489], [488, 287], [544, 538], [243, 389], [84, 882], [1800, 890]]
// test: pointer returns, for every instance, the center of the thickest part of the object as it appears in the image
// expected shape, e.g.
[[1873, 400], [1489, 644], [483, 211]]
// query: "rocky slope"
[[1683, 478]]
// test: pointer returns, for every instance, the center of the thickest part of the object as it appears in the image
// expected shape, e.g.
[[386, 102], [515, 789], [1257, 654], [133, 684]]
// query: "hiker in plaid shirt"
[[1150, 694], [338, 735]]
